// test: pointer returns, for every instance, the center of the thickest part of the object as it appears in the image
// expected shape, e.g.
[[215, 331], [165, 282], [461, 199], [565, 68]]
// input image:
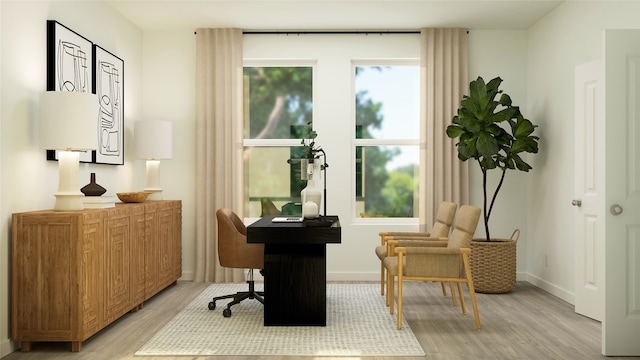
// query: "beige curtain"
[[444, 73], [219, 178]]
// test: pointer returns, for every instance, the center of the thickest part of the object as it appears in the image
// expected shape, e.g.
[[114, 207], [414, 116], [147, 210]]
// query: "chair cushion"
[[465, 227], [468, 218], [459, 239], [381, 251], [391, 264]]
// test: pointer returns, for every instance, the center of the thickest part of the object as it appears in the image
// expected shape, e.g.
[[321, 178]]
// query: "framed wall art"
[[108, 85], [69, 67]]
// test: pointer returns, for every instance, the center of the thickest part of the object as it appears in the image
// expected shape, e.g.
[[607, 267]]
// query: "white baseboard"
[[548, 287], [187, 276], [7, 347]]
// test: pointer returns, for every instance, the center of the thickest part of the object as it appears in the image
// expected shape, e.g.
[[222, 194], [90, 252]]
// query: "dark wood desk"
[[295, 274]]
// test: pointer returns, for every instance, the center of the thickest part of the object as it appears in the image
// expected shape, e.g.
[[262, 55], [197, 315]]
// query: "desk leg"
[[295, 285]]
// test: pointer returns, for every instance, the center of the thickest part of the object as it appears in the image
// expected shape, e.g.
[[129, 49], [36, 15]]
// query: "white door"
[[589, 187], [621, 323]]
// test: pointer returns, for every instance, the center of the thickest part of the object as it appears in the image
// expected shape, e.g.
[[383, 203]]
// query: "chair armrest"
[[433, 250], [405, 233], [422, 243]]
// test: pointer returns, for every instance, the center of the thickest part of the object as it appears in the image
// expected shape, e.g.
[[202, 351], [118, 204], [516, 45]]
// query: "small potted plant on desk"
[[494, 133], [313, 196]]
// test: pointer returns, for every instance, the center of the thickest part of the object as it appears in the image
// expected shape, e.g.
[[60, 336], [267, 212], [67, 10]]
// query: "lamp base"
[[68, 196], [68, 201], [153, 180]]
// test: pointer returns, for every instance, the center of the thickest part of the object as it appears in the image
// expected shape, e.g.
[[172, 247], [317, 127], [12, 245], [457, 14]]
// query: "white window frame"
[[247, 142], [378, 142], [332, 57]]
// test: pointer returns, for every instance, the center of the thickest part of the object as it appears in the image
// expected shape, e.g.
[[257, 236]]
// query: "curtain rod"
[[337, 32], [323, 32]]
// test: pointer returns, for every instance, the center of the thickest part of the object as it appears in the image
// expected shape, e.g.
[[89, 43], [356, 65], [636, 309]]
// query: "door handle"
[[576, 202], [615, 209]]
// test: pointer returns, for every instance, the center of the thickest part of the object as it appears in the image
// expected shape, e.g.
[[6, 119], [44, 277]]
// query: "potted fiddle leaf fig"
[[493, 132]]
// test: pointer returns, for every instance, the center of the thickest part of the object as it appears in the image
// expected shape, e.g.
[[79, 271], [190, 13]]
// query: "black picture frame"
[[108, 85], [69, 67]]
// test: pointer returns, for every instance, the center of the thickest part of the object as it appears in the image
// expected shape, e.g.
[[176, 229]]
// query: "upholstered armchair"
[[429, 263], [444, 219]]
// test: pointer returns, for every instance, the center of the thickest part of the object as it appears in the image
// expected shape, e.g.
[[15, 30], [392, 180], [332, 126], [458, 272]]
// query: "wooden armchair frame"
[[441, 227], [442, 265]]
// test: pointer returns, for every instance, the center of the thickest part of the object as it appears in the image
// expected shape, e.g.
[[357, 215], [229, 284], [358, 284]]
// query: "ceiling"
[[333, 15]]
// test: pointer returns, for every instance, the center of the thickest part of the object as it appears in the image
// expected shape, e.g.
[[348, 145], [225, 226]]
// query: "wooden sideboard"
[[75, 272]]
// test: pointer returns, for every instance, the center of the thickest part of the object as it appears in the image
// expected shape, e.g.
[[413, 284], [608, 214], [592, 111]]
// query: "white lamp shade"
[[153, 139], [68, 120]]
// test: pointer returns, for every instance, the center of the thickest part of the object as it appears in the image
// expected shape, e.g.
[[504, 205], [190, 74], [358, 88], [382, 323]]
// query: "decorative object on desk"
[[311, 195], [478, 124], [312, 167], [133, 197], [65, 125], [153, 142], [358, 326], [92, 188], [310, 210]]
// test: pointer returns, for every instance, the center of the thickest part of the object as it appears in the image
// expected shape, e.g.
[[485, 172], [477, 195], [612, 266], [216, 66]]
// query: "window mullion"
[[271, 142], [386, 142]]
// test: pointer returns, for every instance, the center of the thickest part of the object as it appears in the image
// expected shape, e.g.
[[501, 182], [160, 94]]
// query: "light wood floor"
[[527, 323]]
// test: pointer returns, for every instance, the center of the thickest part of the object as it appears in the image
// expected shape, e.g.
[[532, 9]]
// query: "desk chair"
[[234, 252]]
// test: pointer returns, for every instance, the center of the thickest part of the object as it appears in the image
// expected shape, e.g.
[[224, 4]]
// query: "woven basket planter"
[[493, 264]]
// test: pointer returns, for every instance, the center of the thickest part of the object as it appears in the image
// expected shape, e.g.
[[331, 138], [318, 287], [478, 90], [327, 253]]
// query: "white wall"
[[569, 36], [27, 180], [169, 89]]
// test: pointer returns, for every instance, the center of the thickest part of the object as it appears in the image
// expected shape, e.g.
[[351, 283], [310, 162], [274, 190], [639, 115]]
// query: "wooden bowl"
[[133, 197]]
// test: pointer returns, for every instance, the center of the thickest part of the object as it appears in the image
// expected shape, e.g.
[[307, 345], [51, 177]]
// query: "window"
[[278, 102], [320, 73], [387, 127]]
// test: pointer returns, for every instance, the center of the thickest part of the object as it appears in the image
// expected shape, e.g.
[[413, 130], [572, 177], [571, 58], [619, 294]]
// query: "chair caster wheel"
[[212, 305], [226, 312]]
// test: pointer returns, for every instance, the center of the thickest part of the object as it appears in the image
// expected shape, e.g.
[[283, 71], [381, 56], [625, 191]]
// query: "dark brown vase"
[[93, 189]]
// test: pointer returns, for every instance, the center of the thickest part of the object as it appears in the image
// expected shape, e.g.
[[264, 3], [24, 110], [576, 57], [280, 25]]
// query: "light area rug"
[[358, 324]]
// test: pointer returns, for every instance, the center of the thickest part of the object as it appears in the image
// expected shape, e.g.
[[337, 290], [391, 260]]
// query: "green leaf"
[[504, 114], [494, 83], [488, 163], [527, 144], [477, 89], [454, 131], [523, 128], [520, 164], [505, 100], [467, 150], [487, 145]]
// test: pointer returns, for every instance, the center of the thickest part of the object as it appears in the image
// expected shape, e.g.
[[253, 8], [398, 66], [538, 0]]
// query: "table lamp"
[[68, 124], [153, 142]]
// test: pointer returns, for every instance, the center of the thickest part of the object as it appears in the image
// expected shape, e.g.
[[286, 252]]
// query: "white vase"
[[310, 210], [311, 193]]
